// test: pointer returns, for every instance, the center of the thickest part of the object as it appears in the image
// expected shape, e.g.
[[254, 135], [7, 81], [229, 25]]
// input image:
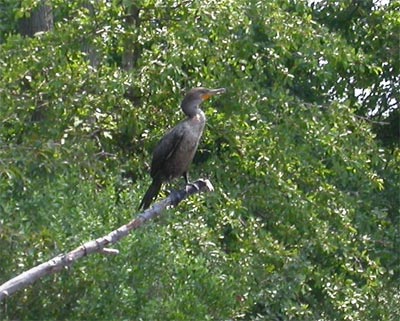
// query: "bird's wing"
[[166, 147]]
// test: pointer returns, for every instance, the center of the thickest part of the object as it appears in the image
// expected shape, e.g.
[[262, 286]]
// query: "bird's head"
[[196, 96]]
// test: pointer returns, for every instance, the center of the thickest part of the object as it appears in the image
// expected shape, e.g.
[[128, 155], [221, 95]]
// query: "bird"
[[174, 153]]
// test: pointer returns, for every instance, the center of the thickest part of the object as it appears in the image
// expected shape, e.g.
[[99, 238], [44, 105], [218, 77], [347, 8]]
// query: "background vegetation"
[[303, 151]]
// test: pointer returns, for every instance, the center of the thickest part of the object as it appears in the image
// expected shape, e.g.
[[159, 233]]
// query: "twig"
[[62, 261], [382, 123]]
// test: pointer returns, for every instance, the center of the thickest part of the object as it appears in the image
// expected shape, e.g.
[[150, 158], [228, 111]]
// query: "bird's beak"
[[213, 92]]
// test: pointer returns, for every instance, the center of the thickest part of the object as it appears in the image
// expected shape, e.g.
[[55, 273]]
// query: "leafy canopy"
[[304, 219]]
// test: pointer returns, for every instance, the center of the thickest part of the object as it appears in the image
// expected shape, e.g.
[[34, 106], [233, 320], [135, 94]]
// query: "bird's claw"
[[191, 185]]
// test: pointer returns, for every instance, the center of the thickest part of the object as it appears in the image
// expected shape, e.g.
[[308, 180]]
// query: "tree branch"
[[62, 261]]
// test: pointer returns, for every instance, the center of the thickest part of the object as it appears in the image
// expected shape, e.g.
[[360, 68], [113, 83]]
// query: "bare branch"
[[62, 261], [372, 121]]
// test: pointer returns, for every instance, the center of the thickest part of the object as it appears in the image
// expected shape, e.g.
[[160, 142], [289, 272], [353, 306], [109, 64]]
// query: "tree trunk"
[[87, 46], [40, 20], [131, 49]]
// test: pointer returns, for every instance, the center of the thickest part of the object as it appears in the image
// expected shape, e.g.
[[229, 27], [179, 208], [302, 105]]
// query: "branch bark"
[[99, 245]]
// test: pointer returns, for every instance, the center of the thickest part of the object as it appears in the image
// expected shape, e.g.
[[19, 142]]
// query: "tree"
[[371, 30], [304, 219]]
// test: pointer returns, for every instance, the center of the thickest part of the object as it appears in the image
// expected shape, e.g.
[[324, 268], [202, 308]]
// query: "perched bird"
[[175, 151]]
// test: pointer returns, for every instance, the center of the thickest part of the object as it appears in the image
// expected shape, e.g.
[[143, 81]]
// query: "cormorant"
[[175, 151]]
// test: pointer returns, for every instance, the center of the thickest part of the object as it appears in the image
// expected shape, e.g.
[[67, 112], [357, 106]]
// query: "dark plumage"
[[175, 151]]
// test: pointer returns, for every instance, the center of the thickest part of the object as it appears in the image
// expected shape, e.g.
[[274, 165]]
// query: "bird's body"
[[183, 139], [175, 151]]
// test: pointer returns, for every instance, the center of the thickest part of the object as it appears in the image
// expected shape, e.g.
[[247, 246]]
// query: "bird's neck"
[[191, 108], [198, 118]]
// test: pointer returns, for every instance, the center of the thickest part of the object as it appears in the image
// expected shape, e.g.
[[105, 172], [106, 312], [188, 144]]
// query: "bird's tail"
[[151, 193]]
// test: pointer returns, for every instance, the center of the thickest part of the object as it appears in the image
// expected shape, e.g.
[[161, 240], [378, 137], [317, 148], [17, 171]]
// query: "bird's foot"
[[190, 186]]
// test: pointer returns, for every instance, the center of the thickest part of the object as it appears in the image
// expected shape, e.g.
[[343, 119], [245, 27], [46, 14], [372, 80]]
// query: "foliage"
[[304, 219]]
